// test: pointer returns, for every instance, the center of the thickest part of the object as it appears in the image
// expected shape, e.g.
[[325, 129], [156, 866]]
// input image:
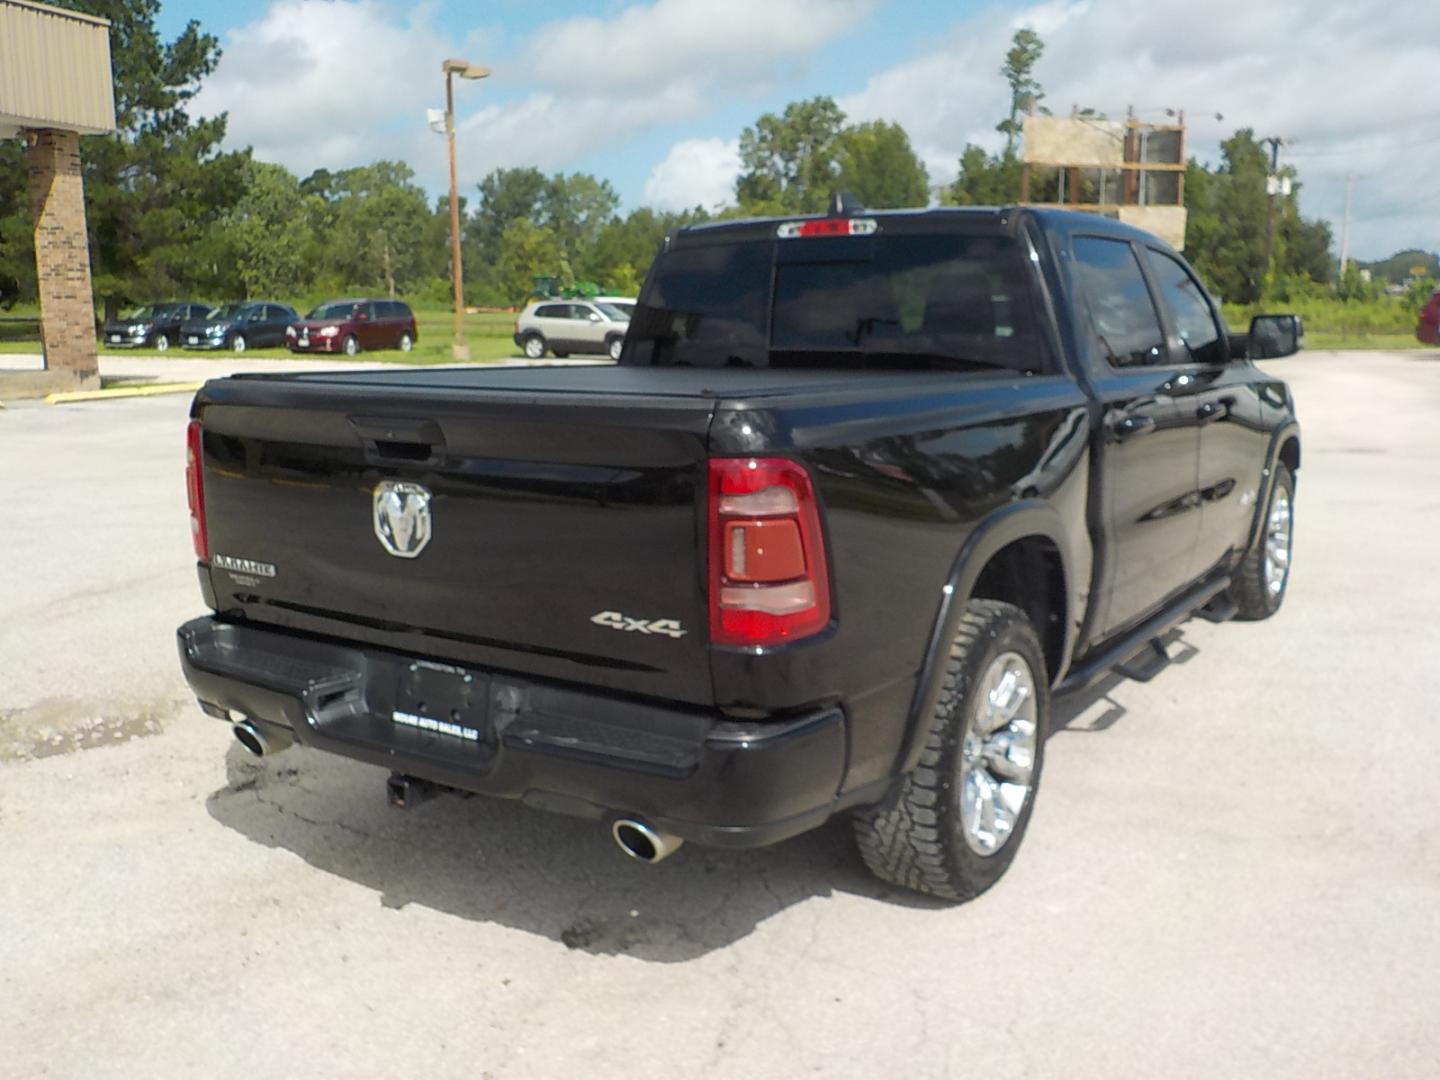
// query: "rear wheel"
[[238, 343], [406, 342], [352, 345], [1264, 574], [614, 345], [534, 346], [953, 825]]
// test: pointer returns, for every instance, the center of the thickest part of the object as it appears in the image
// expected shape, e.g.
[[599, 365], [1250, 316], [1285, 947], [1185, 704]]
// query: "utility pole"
[[466, 70], [1345, 226], [1272, 188]]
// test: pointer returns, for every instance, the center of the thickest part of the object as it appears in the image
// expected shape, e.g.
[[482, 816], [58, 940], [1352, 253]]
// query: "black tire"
[[1251, 588], [916, 837], [238, 343], [533, 346], [613, 345], [160, 342], [351, 346], [406, 342]]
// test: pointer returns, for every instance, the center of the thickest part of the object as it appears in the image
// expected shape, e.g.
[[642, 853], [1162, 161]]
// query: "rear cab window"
[[1122, 311], [927, 300]]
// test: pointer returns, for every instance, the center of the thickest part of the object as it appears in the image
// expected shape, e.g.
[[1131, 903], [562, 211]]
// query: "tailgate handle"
[[389, 438]]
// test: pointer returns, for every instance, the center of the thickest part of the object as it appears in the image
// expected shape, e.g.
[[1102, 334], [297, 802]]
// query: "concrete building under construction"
[[1122, 169]]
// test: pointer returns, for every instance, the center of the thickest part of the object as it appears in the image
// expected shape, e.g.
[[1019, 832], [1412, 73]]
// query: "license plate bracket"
[[448, 702]]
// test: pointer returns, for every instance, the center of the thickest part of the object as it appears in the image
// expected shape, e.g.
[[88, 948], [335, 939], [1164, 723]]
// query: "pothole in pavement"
[[65, 725]]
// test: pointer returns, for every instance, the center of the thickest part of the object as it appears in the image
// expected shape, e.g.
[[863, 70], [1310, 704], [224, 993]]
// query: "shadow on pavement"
[[498, 861], [492, 860]]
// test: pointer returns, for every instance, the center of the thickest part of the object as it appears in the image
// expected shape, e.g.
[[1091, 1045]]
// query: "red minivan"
[[1428, 329], [347, 326]]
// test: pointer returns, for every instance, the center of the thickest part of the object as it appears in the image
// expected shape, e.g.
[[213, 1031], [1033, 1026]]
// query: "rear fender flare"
[[1014, 522], [1267, 479]]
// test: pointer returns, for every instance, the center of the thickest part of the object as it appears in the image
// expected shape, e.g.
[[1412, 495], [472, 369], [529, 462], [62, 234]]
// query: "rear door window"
[[1121, 308], [550, 311]]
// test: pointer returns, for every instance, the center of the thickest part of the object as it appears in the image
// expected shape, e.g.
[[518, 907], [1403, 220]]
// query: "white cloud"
[[693, 41], [604, 79], [548, 131], [313, 83], [1348, 83], [335, 83], [696, 172]]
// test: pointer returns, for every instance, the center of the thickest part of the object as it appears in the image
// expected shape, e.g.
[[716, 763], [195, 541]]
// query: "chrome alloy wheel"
[[1277, 543], [998, 754]]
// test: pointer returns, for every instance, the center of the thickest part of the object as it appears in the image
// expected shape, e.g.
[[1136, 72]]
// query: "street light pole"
[[466, 70]]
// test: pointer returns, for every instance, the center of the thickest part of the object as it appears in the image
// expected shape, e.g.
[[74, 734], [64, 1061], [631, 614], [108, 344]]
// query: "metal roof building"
[[56, 85]]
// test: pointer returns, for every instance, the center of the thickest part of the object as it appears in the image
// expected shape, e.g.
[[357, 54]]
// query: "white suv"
[[571, 326]]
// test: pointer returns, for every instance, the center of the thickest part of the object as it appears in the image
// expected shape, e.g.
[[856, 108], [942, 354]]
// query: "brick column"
[[62, 258]]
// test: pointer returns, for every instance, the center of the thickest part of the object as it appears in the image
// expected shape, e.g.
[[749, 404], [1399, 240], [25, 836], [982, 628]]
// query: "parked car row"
[[595, 325], [337, 326], [579, 326]]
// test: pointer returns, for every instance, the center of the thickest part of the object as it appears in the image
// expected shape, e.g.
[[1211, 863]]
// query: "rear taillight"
[[768, 580], [195, 491]]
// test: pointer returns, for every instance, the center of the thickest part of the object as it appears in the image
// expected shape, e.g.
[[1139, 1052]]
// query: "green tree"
[[575, 209], [270, 233], [788, 162], [1025, 92], [984, 180], [158, 188], [380, 232], [625, 248], [1225, 231], [527, 251], [877, 164], [1306, 246], [994, 179], [17, 228], [506, 196]]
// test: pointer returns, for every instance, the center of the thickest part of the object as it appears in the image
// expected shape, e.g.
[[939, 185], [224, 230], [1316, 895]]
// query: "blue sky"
[[652, 95]]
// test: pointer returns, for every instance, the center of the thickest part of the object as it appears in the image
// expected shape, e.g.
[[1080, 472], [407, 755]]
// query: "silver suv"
[[571, 326]]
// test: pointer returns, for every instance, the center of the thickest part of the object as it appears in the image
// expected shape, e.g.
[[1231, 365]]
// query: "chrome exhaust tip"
[[642, 841], [260, 738]]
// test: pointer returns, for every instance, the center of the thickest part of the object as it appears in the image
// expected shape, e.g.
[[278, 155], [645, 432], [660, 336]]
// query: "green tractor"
[[552, 287]]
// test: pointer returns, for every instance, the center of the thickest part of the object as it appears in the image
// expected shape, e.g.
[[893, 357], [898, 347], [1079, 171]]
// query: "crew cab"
[[864, 493]]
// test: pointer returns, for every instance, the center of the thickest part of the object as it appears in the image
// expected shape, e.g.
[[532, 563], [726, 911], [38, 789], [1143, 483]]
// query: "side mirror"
[[1273, 336], [360, 316], [594, 316]]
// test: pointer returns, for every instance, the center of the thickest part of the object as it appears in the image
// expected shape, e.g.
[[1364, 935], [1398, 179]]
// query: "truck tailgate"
[[565, 531]]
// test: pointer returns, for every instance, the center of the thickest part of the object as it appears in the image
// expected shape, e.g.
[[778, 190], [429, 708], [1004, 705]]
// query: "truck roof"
[[937, 218]]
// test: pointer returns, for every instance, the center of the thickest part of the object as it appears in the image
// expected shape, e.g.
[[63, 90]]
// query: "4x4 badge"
[[613, 620], [402, 517]]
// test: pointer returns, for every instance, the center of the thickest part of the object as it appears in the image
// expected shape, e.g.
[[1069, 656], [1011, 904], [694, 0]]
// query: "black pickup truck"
[[863, 493]]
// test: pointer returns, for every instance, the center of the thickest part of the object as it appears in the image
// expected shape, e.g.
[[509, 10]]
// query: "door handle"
[[1128, 427], [1212, 410]]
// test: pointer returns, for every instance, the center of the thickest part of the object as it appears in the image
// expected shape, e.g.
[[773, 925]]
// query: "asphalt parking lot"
[[1233, 870]]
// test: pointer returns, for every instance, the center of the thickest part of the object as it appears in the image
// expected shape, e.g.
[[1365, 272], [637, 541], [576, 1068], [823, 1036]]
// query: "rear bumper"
[[699, 775]]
